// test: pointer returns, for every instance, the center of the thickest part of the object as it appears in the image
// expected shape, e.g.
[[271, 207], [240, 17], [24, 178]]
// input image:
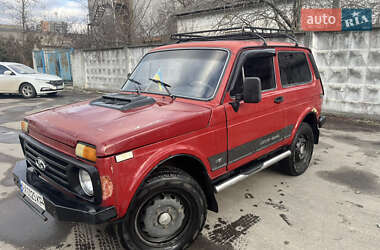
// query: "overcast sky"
[[73, 11]]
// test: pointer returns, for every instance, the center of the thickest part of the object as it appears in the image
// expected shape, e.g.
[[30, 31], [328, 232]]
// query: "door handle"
[[279, 99]]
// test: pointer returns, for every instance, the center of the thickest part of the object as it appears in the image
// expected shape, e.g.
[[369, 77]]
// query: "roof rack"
[[236, 33]]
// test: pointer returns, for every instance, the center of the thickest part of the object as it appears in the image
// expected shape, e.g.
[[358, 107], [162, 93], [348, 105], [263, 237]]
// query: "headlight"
[[86, 152], [85, 182], [24, 126]]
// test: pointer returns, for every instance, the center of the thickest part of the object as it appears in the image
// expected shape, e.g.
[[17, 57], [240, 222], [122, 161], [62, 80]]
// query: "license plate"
[[33, 195]]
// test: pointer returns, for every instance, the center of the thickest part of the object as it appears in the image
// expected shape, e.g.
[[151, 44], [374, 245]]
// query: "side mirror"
[[252, 90], [129, 75], [8, 73]]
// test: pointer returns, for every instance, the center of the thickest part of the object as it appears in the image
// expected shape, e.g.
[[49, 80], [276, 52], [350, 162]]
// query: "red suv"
[[194, 118]]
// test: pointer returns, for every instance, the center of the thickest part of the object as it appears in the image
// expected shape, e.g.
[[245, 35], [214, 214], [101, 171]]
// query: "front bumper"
[[49, 90], [59, 205]]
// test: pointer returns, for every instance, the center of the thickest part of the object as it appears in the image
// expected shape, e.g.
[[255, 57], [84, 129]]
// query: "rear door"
[[8, 84], [256, 128]]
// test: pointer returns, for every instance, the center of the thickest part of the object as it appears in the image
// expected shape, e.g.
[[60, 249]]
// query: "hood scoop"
[[123, 102]]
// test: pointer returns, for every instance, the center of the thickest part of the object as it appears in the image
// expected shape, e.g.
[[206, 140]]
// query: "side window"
[[2, 69], [294, 68], [261, 67]]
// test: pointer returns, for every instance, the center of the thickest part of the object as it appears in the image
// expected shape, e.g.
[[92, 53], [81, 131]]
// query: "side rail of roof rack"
[[235, 33]]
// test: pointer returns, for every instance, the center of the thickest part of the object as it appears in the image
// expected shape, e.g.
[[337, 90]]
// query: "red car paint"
[[181, 127]]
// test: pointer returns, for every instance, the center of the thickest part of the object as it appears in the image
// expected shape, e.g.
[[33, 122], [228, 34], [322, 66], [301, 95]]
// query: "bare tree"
[[20, 11], [119, 22], [336, 4], [283, 14]]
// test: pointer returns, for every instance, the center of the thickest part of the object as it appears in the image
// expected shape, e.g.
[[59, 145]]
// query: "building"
[[106, 11], [53, 27]]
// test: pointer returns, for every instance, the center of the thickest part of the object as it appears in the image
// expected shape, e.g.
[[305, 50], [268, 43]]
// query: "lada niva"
[[193, 118]]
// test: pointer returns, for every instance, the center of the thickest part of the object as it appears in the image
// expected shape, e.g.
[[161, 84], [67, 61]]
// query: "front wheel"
[[302, 151], [27, 90], [168, 212]]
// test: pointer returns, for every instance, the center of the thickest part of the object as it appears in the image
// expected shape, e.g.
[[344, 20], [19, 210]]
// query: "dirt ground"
[[334, 205]]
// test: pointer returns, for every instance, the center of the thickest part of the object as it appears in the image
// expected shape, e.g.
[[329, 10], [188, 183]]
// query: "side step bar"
[[252, 171]]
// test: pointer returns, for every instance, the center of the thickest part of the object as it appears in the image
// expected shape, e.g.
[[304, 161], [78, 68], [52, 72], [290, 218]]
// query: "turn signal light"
[[86, 152], [24, 126]]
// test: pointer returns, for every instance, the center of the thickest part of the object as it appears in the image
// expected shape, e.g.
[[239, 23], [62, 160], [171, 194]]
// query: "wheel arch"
[[25, 82], [309, 116], [311, 119], [193, 166]]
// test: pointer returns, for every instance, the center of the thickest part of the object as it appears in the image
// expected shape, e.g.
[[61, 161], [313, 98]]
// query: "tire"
[[302, 150], [149, 224], [27, 90]]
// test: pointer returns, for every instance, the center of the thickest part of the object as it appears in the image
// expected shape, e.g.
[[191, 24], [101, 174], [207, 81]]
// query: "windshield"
[[193, 73], [22, 69]]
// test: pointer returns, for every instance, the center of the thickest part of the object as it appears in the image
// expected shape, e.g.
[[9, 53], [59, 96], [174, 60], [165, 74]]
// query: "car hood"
[[42, 77], [113, 131]]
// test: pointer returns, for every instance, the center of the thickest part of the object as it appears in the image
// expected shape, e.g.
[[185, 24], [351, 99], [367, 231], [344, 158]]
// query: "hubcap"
[[27, 90], [162, 218], [301, 148]]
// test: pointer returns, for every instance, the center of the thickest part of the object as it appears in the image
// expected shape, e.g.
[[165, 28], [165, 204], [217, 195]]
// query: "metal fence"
[[54, 62]]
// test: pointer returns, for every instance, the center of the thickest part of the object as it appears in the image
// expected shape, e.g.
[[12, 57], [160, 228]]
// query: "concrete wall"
[[105, 69], [350, 68]]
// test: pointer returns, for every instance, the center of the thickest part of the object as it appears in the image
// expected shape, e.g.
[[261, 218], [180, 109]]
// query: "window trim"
[[299, 83], [274, 74], [187, 48], [314, 66], [262, 91]]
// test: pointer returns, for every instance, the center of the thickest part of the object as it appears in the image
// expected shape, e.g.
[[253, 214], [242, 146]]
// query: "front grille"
[[60, 169], [56, 169], [56, 83]]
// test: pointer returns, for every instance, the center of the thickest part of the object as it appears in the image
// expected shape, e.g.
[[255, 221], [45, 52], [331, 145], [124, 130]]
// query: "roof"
[[215, 5], [232, 45], [9, 63]]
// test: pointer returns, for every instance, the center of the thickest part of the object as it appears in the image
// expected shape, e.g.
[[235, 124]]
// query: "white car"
[[20, 79]]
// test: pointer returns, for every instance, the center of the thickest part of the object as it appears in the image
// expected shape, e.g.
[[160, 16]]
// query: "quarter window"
[[294, 68]]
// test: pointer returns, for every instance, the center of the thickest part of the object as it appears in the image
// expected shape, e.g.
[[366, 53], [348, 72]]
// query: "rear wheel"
[[27, 90], [302, 151], [168, 212]]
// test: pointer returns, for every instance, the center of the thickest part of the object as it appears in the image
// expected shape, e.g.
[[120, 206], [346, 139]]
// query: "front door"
[[256, 128]]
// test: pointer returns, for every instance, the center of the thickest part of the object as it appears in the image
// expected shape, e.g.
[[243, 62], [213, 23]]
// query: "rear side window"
[[294, 68], [3, 69]]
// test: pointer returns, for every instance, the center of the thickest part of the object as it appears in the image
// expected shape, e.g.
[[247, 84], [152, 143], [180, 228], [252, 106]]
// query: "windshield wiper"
[[137, 83], [166, 86]]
